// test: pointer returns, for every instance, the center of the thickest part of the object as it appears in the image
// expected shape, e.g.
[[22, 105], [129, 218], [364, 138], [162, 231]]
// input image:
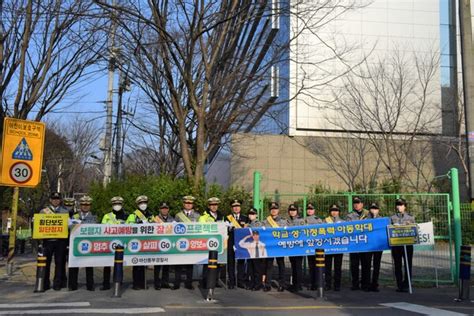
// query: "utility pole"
[[110, 98], [123, 86], [467, 57]]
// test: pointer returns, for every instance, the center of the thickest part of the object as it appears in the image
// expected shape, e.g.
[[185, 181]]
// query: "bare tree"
[[46, 50], [205, 66], [393, 104]]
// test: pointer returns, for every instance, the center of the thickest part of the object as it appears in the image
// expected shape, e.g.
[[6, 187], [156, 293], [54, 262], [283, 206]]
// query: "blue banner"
[[345, 237]]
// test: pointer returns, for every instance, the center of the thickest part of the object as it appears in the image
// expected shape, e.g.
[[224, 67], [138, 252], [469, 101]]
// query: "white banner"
[[425, 235], [93, 245]]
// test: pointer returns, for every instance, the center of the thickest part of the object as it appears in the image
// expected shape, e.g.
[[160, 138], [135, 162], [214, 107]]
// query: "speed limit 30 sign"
[[22, 152]]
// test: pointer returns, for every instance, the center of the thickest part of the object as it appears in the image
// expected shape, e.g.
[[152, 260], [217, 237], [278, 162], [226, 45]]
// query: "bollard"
[[464, 273], [211, 275], [40, 271], [320, 272], [118, 270]]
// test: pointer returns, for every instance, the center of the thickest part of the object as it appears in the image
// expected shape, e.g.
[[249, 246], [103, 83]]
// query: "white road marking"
[[30, 305], [135, 311], [422, 309]]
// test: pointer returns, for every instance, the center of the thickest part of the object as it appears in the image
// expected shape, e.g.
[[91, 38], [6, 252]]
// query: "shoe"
[[366, 289], [337, 289], [402, 290], [72, 288], [57, 288], [240, 285], [374, 289], [231, 287], [175, 287], [165, 286], [327, 288], [313, 288], [105, 288], [267, 288], [355, 288], [136, 288], [47, 287], [157, 287], [189, 287], [281, 288], [257, 288], [90, 288]]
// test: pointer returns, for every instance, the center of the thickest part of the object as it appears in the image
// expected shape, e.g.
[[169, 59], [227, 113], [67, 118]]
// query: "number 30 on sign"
[[21, 172]]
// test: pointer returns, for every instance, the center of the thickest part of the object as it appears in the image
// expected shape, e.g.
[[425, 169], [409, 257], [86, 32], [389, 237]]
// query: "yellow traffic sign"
[[22, 152]]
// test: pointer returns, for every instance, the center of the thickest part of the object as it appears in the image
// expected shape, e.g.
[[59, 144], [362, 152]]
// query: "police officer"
[[55, 247], [69, 204], [84, 216], [117, 216], [296, 261], [187, 215], [398, 253], [361, 258], [141, 215], [211, 215], [274, 220], [235, 220], [163, 282], [375, 257], [312, 219], [336, 259], [255, 266]]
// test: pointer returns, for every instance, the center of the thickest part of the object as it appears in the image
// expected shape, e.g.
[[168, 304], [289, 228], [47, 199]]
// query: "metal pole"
[[118, 144], [407, 266], [109, 105], [467, 57], [457, 218], [12, 237], [257, 178]]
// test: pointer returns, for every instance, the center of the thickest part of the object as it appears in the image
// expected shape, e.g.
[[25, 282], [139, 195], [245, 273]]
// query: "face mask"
[[142, 206], [117, 207], [252, 217]]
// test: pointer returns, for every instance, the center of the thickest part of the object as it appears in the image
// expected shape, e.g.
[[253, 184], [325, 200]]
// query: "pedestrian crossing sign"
[[22, 151]]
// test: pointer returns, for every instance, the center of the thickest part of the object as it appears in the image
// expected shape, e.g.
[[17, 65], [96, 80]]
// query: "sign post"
[[21, 161], [403, 235]]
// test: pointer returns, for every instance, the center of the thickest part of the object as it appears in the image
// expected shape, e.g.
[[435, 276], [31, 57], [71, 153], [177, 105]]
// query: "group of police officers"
[[253, 274]]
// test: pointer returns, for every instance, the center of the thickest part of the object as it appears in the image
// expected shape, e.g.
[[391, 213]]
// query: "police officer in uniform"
[[336, 259], [55, 247], [255, 266], [163, 282], [235, 220], [84, 216], [398, 252], [211, 215], [141, 215], [296, 261], [117, 216], [274, 220], [361, 258], [312, 219], [69, 204], [187, 215], [375, 257]]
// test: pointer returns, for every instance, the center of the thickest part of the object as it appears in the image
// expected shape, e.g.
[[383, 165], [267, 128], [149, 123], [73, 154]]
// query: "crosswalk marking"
[[422, 309], [65, 311], [31, 305]]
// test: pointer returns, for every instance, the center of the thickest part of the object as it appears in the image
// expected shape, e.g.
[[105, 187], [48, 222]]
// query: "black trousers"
[[255, 270], [398, 255], [329, 262], [58, 249], [374, 259], [360, 259], [188, 270], [269, 270], [297, 271], [231, 262], [73, 276], [106, 277], [165, 275], [138, 277]]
